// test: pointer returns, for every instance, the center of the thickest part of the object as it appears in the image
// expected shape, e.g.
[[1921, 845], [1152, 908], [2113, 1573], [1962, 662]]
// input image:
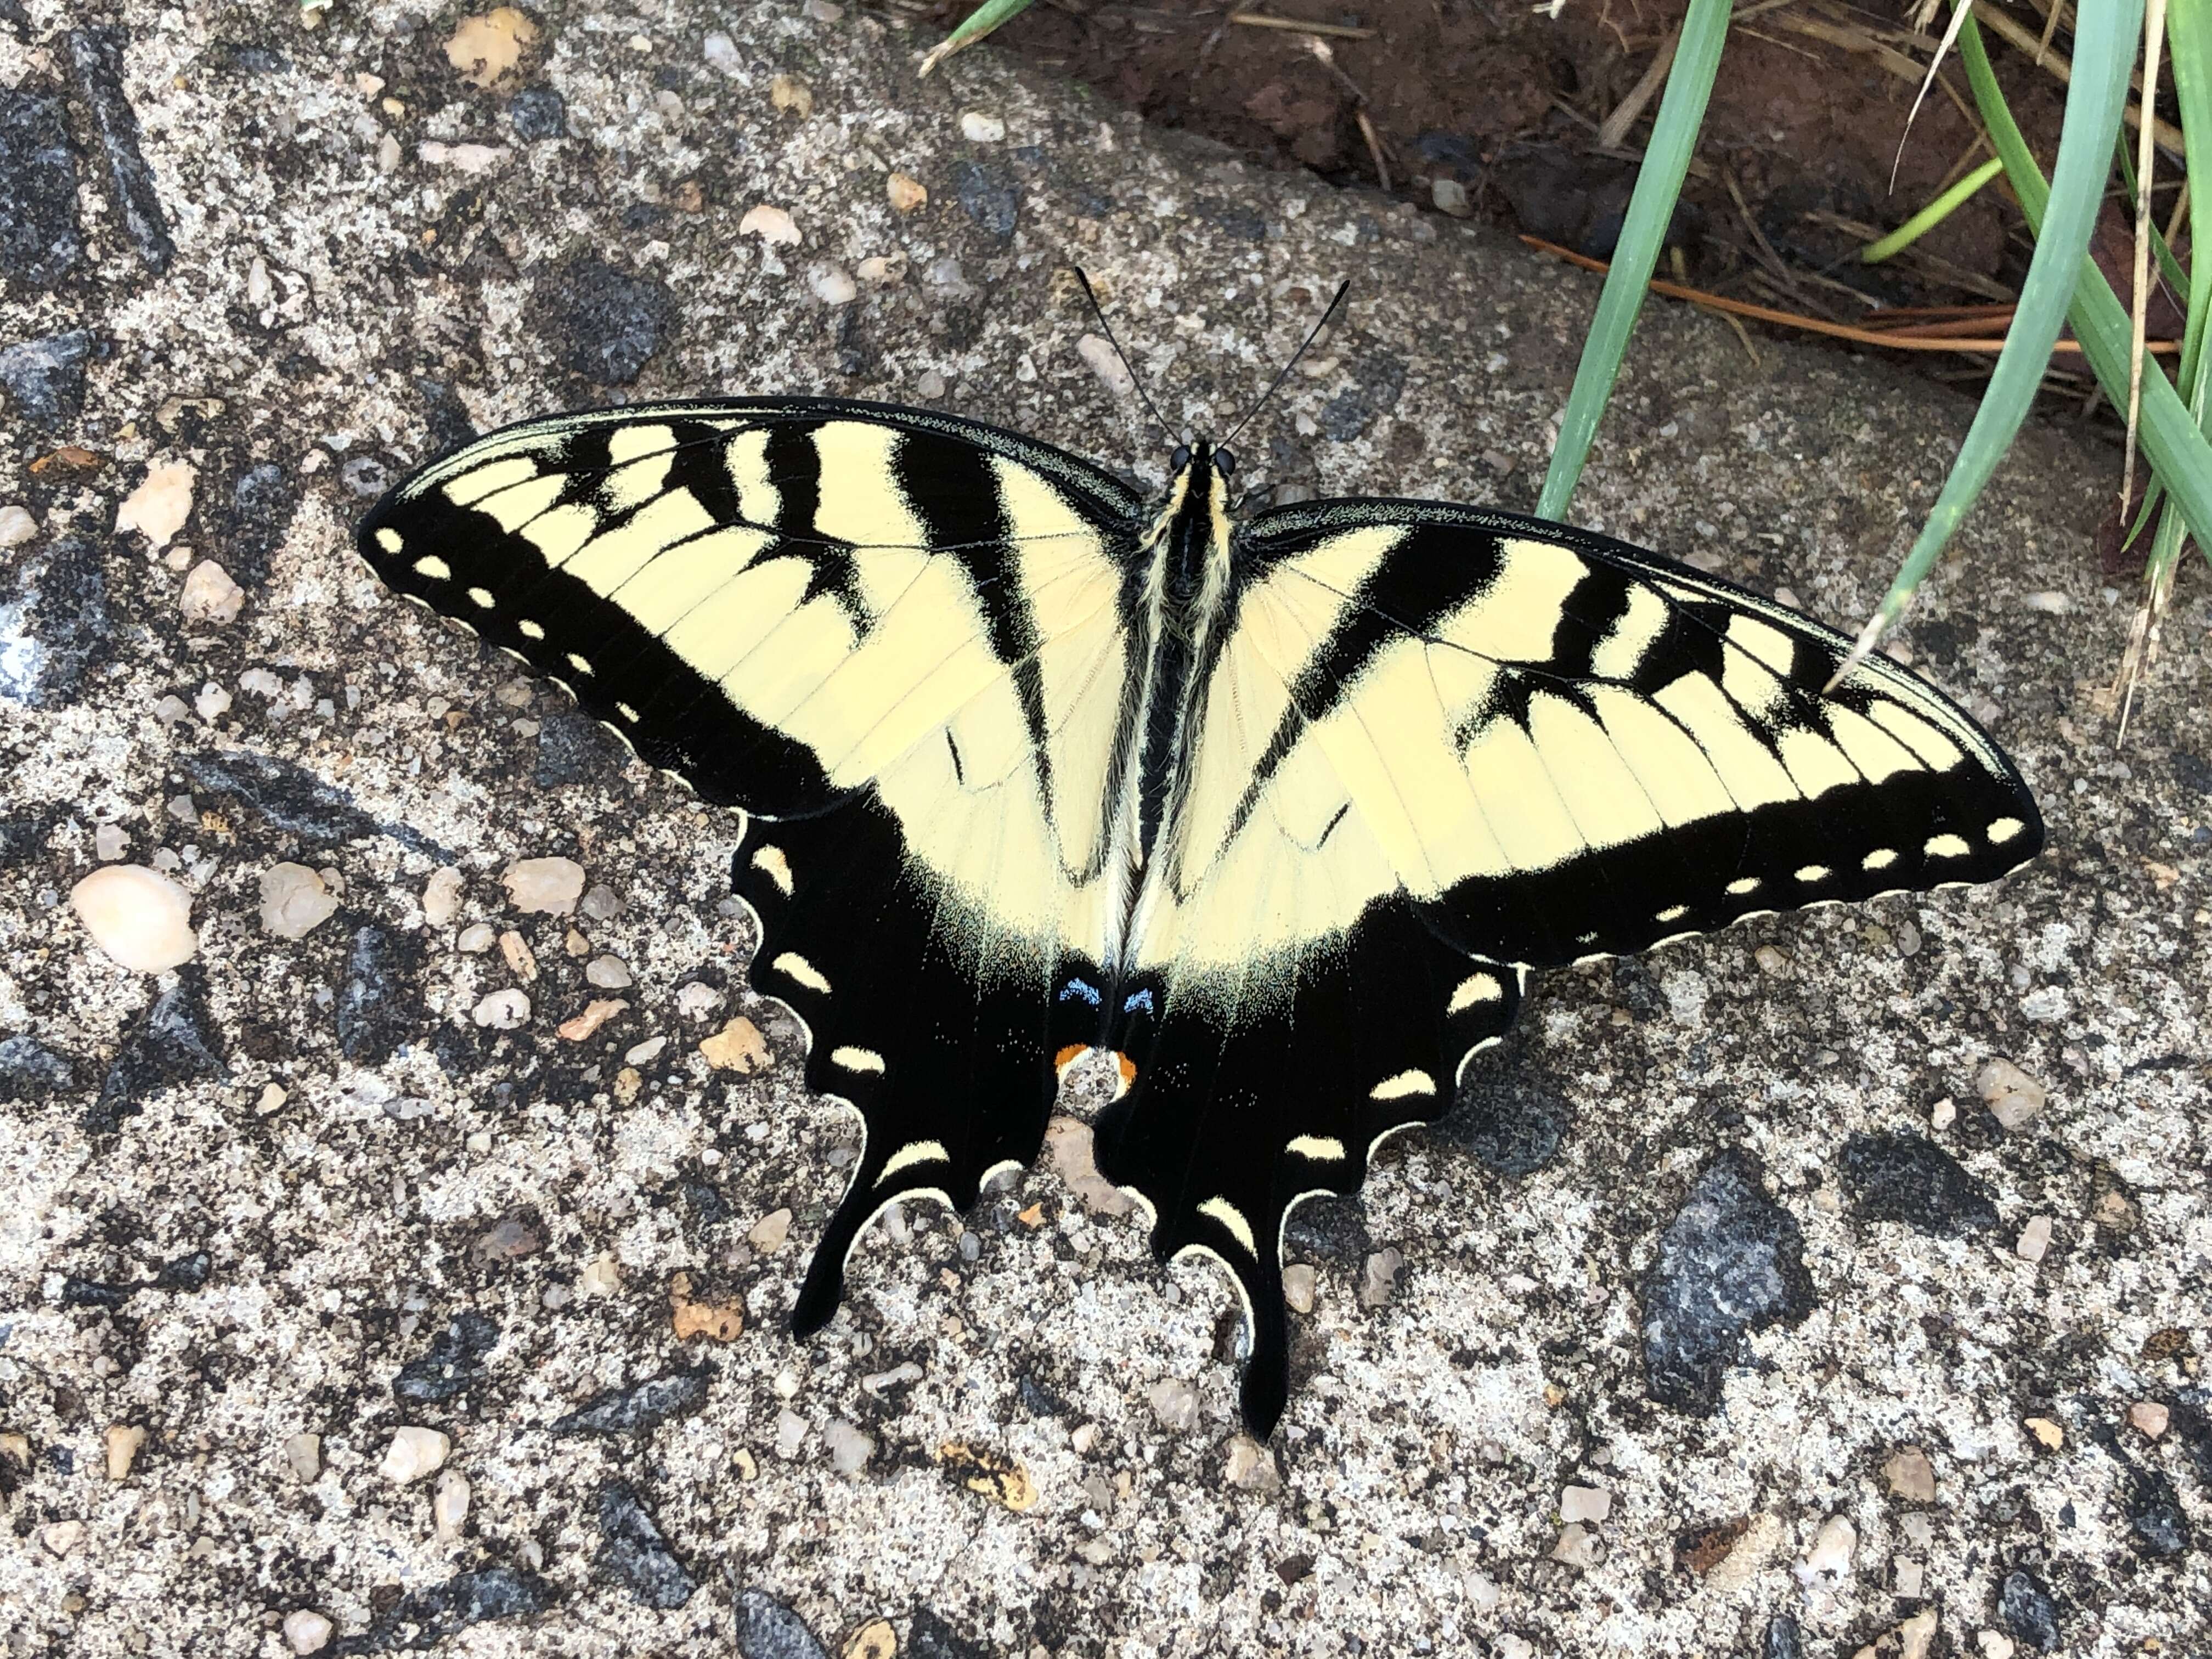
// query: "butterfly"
[[1277, 810]]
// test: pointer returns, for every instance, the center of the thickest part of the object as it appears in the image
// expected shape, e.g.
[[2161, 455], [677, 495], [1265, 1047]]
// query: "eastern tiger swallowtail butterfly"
[[1278, 810]]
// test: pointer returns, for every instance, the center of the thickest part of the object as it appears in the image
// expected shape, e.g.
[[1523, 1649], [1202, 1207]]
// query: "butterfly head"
[[1202, 460]]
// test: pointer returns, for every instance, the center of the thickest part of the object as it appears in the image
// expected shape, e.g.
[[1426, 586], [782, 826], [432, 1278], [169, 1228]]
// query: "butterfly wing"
[[1441, 746], [894, 639]]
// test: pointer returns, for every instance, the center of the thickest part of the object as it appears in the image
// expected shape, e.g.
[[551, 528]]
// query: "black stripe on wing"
[[1241, 1106]]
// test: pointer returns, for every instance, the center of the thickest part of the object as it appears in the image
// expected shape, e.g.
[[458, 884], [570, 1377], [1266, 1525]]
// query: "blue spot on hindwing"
[[1138, 1000], [1076, 990]]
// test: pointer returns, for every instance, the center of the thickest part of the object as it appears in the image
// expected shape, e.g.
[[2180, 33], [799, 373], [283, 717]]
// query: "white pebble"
[[138, 916], [600, 1276], [16, 525], [721, 52], [503, 1010], [770, 1232], [450, 1508], [413, 1453], [1829, 1560], [110, 842], [294, 901], [2034, 1239], [261, 682], [1585, 1504], [441, 896], [551, 885], [303, 1455], [1251, 1466], [1106, 363], [2014, 1098], [849, 1447], [212, 702], [210, 595], [608, 973], [1299, 1285], [157, 509], [477, 938], [790, 1433], [1481, 1591], [1173, 1402], [978, 128], [306, 1631], [771, 224], [1380, 1281], [697, 1000], [1578, 1548], [823, 11], [1512, 1646], [1450, 196], [832, 285], [645, 1052], [1995, 1644]]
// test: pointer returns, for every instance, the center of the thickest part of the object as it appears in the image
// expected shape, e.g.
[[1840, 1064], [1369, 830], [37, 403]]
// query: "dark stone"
[[59, 598], [454, 1363], [445, 415], [1333, 1228], [706, 1198], [174, 1042], [1037, 1400], [931, 1638], [92, 1293], [1575, 199], [290, 798], [40, 235], [988, 197], [1234, 217], [575, 749], [635, 1555], [1782, 1640], [96, 56], [766, 1629], [2154, 1513], [45, 378], [2193, 1425], [2027, 1613], [31, 1071], [606, 326], [186, 1272], [1731, 1261], [262, 502], [250, 57], [1449, 153], [538, 114], [424, 1617], [1378, 380], [1510, 1111], [24, 836], [639, 1408], [367, 476], [1909, 1178], [375, 1008]]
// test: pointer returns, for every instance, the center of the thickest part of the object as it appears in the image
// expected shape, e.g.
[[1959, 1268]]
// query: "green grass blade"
[[977, 24], [2171, 440], [2104, 52], [1931, 216], [1658, 185], [2189, 50], [2169, 268]]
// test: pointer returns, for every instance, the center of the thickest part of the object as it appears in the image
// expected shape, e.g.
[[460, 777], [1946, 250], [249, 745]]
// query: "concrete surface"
[[296, 1189]]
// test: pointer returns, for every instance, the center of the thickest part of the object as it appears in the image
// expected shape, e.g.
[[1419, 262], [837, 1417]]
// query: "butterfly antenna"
[[1127, 368], [1283, 373]]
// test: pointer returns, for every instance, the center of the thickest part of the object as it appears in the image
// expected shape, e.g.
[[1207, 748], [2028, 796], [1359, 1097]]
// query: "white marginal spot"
[[435, 567], [1221, 1210], [914, 1153], [1322, 1149], [857, 1060], [530, 631], [1811, 872], [793, 966], [1406, 1083], [627, 713], [771, 863], [1880, 858], [1476, 988], [582, 665], [1743, 884], [1947, 846], [482, 595], [389, 539], [1673, 913], [2003, 830]]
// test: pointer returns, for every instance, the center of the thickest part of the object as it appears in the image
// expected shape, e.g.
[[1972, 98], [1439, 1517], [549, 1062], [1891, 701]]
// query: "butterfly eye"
[[1226, 460], [1180, 460]]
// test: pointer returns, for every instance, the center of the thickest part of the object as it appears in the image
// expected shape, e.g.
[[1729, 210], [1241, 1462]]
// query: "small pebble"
[[61, 1537], [1578, 1546], [1910, 1475], [600, 1277], [1830, 1559], [548, 885], [157, 509], [850, 1448], [697, 999], [109, 843], [2149, 1418], [1298, 1286], [138, 916], [906, 195], [600, 903], [768, 1233], [1995, 1644], [771, 224], [929, 385], [978, 128], [1069, 1145], [1585, 1504], [1917, 1634], [2014, 1098], [1510, 1646], [1911, 1578], [790, 95], [477, 938], [596, 1013], [790, 1433], [738, 1047], [123, 1440], [506, 1240], [823, 11], [1173, 1402], [303, 1455], [645, 1052], [18, 526], [721, 52], [2034, 1239], [306, 1631], [2047, 1433], [832, 285], [1943, 1113], [413, 1453], [503, 1010], [608, 973], [1450, 196], [1251, 1466], [1098, 352], [210, 595], [450, 1508], [295, 901], [575, 944], [1379, 1281], [691, 1316], [441, 896], [876, 1639]]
